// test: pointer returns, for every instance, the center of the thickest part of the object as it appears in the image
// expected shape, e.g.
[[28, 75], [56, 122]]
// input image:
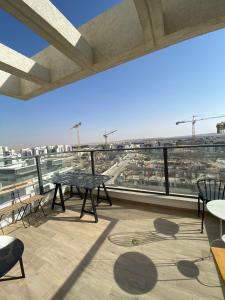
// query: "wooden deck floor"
[[136, 251]]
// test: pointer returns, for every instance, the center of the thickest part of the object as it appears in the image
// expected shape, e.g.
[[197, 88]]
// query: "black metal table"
[[86, 181]]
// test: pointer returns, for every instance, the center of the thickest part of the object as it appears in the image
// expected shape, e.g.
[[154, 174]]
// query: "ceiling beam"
[[157, 19], [19, 65], [47, 21], [151, 18], [144, 17], [9, 85]]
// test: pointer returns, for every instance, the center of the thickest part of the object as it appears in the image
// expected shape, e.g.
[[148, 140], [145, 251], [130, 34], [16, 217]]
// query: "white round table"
[[217, 208]]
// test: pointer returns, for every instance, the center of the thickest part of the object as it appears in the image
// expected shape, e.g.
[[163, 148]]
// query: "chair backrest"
[[211, 189], [17, 195]]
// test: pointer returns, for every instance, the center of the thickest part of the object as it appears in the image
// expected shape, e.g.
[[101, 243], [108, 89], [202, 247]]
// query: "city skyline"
[[141, 99]]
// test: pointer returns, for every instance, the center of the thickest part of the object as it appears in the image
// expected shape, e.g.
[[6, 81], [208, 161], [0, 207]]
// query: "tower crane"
[[77, 127], [105, 135], [196, 119]]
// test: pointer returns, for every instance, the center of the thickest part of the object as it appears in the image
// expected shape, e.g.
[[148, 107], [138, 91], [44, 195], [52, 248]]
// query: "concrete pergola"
[[127, 31]]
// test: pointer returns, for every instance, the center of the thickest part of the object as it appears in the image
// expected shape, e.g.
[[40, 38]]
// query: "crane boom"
[[194, 120], [105, 135]]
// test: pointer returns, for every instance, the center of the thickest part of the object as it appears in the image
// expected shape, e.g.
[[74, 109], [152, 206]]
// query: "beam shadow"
[[74, 276], [137, 274]]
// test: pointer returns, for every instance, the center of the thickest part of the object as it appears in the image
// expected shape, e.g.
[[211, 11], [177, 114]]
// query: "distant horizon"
[[117, 141]]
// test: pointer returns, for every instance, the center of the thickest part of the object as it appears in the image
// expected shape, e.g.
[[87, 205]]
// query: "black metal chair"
[[11, 251], [209, 189]]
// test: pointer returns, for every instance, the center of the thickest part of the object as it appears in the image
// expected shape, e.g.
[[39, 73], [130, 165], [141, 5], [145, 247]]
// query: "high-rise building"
[[220, 127]]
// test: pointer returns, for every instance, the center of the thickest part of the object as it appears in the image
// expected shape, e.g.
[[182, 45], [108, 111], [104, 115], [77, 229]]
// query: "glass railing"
[[187, 165], [168, 170], [139, 169], [54, 164], [18, 174]]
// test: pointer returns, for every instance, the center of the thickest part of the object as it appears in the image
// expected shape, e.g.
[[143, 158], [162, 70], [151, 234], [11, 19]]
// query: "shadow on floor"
[[165, 230], [74, 276], [135, 273]]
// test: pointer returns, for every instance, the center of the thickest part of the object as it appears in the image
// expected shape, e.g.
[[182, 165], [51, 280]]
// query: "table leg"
[[71, 191], [107, 195], [93, 207], [84, 202], [79, 192], [98, 196], [93, 211], [61, 197], [55, 193]]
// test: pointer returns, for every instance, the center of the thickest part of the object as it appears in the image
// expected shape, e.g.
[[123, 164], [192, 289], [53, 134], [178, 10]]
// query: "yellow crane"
[[196, 119], [105, 135], [77, 127]]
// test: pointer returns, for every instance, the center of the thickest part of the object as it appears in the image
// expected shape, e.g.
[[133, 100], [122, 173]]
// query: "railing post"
[[92, 163], [166, 173], [39, 174]]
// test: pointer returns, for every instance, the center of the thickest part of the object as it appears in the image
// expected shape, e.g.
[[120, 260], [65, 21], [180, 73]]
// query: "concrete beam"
[[150, 14], [9, 85], [118, 35], [157, 19], [22, 66], [144, 17], [47, 21]]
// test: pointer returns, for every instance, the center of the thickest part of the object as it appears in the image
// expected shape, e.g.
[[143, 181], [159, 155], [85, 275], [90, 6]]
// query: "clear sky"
[[142, 98]]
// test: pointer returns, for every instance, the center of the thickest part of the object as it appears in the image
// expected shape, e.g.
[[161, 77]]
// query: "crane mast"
[[77, 127]]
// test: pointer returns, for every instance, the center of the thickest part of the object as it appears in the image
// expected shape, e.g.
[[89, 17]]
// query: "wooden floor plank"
[[66, 258]]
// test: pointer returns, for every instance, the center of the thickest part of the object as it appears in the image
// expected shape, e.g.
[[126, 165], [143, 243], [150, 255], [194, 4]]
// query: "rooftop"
[[135, 251]]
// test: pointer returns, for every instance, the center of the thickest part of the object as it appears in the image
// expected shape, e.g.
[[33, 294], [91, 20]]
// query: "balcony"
[[140, 248], [135, 251]]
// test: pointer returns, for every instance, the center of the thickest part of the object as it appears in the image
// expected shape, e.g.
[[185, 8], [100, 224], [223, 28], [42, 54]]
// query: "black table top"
[[82, 180]]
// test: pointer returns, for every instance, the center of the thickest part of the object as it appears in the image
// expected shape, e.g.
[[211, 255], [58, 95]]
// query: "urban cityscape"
[[134, 164]]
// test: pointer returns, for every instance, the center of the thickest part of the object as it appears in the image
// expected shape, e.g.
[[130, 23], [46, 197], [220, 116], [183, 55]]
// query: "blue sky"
[[142, 98]]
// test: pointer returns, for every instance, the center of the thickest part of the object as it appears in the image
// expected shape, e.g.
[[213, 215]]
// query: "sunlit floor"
[[135, 251]]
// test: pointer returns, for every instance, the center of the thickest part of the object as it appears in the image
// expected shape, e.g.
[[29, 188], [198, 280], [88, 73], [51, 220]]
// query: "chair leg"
[[26, 215], [21, 216], [39, 205], [198, 207], [22, 267], [203, 214], [1, 225]]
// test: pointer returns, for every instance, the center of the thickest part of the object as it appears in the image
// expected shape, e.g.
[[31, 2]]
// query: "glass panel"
[[17, 173], [136, 169], [52, 165], [187, 165]]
